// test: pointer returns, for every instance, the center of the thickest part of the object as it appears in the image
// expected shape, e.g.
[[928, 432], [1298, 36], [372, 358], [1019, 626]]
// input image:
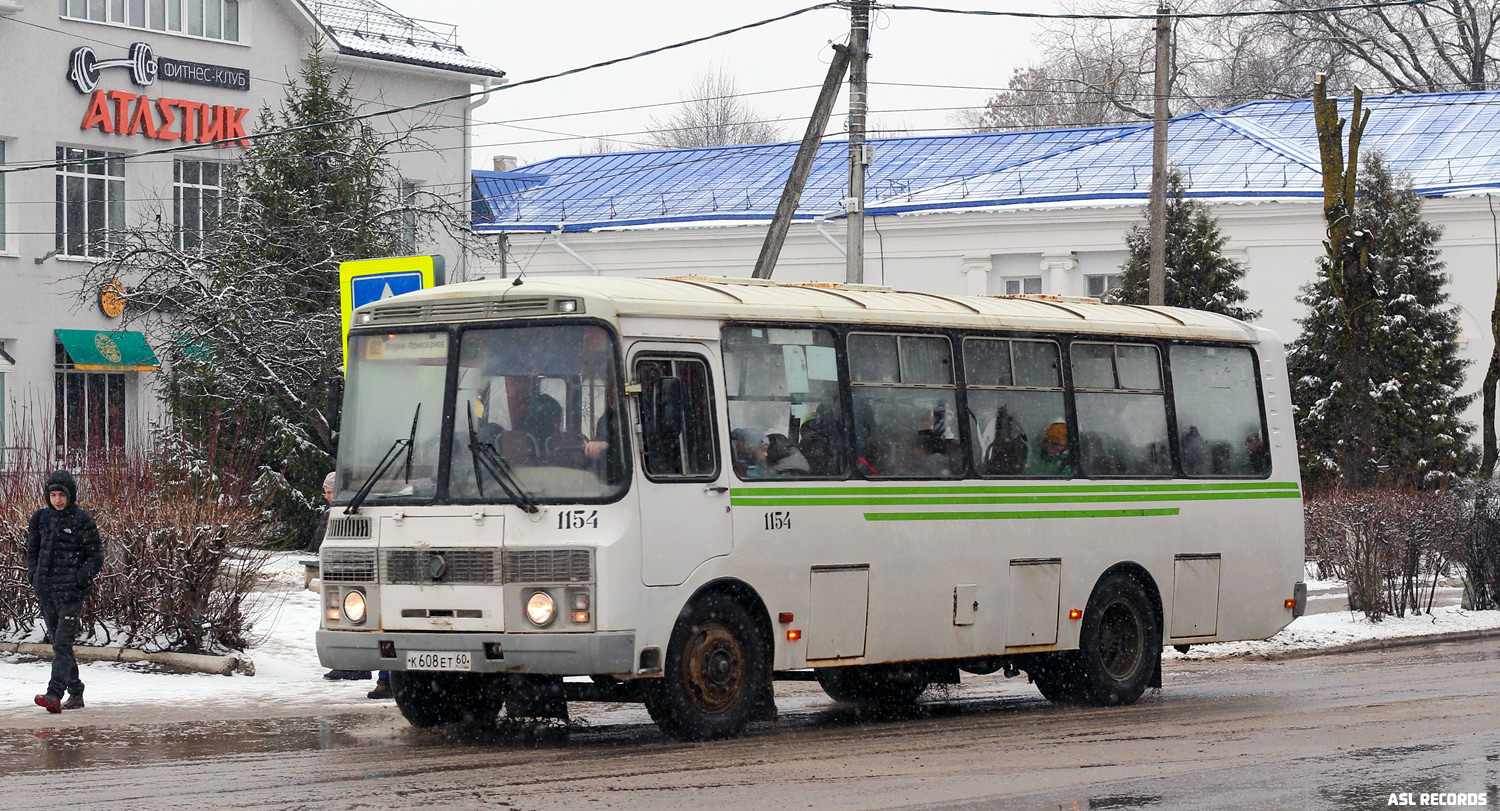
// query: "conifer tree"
[[248, 320], [1416, 432], [1198, 274]]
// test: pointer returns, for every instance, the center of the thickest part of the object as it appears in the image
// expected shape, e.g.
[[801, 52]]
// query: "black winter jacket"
[[63, 550]]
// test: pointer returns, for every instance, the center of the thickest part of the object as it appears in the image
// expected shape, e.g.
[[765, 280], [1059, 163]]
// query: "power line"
[[1206, 15], [464, 97]]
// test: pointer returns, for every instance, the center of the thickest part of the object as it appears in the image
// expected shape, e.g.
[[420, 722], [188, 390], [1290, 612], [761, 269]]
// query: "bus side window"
[[677, 422], [905, 406], [1121, 405], [1219, 427], [1015, 398], [782, 393]]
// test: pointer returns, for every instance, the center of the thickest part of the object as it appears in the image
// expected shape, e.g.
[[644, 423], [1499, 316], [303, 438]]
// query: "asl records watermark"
[[1438, 799]]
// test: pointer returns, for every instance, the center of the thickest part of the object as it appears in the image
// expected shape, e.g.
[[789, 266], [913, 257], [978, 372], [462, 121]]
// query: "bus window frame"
[[1260, 398], [1065, 387], [651, 354], [847, 384], [1075, 438], [839, 330], [450, 392]]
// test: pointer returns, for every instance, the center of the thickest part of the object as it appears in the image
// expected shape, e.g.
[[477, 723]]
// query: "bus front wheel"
[[434, 699], [1119, 645], [716, 672], [872, 684]]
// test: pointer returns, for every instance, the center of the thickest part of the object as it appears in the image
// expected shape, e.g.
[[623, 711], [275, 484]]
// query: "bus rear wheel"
[[434, 699], [716, 672], [872, 684], [1119, 645], [1056, 675]]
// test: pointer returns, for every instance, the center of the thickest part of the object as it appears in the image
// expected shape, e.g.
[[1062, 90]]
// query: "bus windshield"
[[395, 382], [536, 415]]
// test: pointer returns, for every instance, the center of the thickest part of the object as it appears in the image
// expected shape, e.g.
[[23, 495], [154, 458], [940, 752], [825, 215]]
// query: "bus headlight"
[[354, 606], [540, 609]]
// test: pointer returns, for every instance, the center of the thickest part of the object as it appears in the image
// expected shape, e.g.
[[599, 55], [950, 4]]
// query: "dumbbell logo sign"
[[84, 66]]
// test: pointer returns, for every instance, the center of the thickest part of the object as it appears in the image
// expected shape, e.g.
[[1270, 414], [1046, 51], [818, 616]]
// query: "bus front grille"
[[548, 566], [356, 526], [348, 565], [461, 310], [440, 566]]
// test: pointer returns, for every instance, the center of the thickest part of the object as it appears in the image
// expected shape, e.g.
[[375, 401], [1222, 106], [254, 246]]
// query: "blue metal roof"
[[1448, 142]]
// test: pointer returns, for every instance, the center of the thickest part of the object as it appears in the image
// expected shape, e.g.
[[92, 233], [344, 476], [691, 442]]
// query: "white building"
[[119, 78], [1015, 212]]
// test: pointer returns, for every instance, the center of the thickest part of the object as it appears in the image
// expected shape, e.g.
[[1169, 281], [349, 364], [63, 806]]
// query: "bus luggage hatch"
[[1035, 584], [840, 602], [1195, 596]]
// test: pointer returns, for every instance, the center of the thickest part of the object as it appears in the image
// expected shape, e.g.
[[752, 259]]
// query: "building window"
[[1030, 286], [1103, 283], [408, 193], [2, 199], [197, 199], [89, 409], [90, 201], [212, 19]]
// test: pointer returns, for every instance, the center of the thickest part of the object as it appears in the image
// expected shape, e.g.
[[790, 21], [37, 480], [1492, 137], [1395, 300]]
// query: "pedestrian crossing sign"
[[368, 280]]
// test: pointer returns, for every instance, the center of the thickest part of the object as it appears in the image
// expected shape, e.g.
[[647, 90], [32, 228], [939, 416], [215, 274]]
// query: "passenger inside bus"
[[750, 451], [784, 458], [1053, 457]]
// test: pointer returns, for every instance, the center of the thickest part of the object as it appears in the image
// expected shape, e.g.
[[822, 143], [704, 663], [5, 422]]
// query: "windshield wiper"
[[391, 455], [488, 460]]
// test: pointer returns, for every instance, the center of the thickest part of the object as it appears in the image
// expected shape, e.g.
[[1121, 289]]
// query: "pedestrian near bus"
[[63, 555]]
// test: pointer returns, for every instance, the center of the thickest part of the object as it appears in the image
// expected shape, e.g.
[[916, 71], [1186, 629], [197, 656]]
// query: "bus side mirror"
[[667, 401]]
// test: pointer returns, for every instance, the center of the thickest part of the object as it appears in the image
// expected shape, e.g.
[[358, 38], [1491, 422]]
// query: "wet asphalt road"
[[1339, 732]]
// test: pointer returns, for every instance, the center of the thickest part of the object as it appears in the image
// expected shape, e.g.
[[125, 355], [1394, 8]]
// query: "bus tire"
[[872, 684], [1056, 675], [715, 675], [1119, 645], [433, 699]]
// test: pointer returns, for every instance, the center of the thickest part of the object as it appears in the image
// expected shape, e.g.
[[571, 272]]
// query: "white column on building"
[[1055, 269], [977, 275]]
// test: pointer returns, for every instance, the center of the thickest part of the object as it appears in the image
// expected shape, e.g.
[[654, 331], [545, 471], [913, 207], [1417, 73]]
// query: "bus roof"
[[757, 300]]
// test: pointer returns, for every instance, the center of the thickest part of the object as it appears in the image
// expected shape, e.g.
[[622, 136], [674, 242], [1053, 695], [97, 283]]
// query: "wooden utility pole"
[[1157, 291], [1348, 274], [859, 156], [792, 194]]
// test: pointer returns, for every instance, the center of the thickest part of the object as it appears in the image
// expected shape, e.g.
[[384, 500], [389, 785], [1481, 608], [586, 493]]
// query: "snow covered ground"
[[289, 679]]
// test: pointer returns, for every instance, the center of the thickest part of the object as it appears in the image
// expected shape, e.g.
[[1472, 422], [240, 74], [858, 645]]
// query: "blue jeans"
[[62, 612]]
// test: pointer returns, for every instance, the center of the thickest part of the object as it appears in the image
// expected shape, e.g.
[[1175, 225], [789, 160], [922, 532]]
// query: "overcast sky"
[[528, 38]]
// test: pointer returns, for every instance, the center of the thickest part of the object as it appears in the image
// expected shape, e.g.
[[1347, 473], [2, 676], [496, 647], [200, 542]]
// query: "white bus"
[[687, 488]]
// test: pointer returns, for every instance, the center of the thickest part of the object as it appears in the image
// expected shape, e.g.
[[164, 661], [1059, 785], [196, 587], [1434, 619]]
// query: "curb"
[[185, 662], [1372, 645]]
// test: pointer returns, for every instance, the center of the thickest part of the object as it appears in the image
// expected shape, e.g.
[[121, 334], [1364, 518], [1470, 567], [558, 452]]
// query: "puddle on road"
[[92, 746]]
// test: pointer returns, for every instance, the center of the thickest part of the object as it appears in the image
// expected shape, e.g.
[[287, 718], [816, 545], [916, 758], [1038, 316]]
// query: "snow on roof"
[[367, 28], [760, 300], [1448, 142]]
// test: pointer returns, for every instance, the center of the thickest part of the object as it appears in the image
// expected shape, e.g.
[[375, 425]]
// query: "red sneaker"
[[49, 702]]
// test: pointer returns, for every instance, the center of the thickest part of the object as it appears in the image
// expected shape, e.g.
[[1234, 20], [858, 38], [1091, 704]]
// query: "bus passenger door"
[[683, 486]]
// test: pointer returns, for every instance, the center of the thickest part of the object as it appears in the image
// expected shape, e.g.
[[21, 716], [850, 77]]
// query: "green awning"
[[96, 350]]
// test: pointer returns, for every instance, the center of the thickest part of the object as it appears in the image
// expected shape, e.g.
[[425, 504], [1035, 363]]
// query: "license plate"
[[437, 660]]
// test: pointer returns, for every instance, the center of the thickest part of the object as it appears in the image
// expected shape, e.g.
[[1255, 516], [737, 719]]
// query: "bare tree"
[[1101, 71], [712, 113], [1441, 46], [1039, 97]]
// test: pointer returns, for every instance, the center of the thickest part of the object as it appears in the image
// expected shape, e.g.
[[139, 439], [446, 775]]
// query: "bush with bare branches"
[[179, 533], [1391, 546]]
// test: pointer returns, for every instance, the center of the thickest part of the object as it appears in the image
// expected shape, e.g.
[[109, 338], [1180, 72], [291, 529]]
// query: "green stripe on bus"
[[1019, 514], [875, 500], [1031, 488]]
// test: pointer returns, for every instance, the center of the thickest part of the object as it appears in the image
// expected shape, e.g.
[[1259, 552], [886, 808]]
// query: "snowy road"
[[1336, 731]]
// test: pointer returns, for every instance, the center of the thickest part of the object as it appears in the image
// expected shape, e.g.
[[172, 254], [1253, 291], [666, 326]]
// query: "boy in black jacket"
[[63, 553]]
